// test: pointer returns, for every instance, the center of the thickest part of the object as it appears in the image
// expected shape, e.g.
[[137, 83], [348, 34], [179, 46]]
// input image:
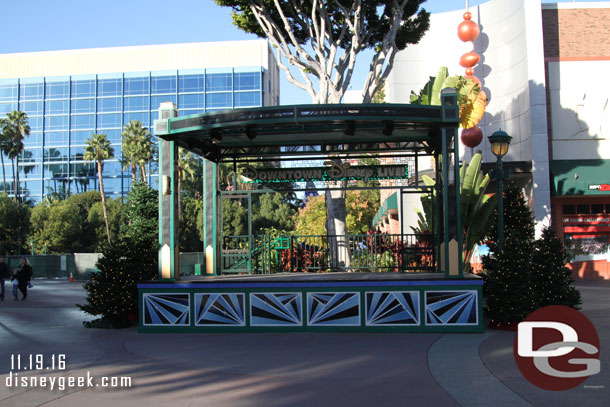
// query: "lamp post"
[[500, 141]]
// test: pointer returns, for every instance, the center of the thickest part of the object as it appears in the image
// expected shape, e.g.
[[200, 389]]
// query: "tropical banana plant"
[[471, 99], [476, 207]]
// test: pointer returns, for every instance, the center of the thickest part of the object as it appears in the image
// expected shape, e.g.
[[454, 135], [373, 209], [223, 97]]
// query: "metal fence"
[[371, 252]]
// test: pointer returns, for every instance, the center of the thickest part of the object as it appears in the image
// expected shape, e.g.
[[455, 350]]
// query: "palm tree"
[[17, 128], [187, 168], [4, 137], [98, 149], [137, 148]]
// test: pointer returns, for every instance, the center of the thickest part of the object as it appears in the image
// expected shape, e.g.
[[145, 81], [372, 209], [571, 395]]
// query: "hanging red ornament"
[[469, 71], [469, 59], [472, 137]]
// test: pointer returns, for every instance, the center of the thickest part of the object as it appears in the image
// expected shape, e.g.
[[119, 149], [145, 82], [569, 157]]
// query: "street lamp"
[[500, 141]]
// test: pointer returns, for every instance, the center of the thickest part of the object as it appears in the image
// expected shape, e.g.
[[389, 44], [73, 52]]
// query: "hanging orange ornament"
[[468, 30]]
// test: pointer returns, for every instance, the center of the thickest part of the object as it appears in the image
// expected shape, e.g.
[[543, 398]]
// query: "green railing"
[[264, 254]]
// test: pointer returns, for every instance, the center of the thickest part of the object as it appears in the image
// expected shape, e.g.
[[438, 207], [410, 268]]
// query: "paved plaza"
[[297, 369]]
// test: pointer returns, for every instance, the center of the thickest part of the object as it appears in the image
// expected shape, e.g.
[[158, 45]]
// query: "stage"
[[313, 302]]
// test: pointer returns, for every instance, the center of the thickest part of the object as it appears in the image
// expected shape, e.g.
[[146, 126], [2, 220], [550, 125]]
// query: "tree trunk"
[[337, 229], [3, 173], [134, 170], [13, 166], [99, 175], [143, 170], [17, 197]]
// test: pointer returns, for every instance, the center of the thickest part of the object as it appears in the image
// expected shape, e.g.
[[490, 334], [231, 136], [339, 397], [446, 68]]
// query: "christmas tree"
[[507, 282], [551, 282], [112, 293]]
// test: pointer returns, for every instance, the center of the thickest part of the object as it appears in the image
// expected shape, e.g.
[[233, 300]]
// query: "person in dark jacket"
[[23, 275], [4, 274]]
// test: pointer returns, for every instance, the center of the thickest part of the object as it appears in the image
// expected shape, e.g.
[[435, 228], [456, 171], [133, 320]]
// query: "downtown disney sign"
[[332, 172]]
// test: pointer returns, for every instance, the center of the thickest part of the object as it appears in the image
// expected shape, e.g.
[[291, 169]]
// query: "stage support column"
[[211, 218], [451, 246], [169, 248]]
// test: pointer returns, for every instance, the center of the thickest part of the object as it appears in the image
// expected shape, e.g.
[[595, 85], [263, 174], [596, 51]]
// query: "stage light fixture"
[[350, 128], [388, 127]]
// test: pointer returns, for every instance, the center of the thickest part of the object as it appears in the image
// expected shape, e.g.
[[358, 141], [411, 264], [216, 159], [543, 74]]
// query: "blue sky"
[[43, 25]]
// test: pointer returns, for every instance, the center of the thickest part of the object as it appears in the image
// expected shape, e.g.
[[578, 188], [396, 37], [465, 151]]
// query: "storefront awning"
[[388, 204], [580, 177]]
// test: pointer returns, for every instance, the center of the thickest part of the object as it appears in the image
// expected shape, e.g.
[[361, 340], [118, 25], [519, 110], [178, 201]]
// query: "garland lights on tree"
[[527, 274]]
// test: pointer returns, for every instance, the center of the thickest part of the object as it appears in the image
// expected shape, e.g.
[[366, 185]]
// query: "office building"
[[70, 95]]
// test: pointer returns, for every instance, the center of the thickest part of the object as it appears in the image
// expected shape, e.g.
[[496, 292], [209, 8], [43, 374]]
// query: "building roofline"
[[135, 47], [579, 5]]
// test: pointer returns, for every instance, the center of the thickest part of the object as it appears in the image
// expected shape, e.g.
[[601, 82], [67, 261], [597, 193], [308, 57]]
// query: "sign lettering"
[[333, 172]]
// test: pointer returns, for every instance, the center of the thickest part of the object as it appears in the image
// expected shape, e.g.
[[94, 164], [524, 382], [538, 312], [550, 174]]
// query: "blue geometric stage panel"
[[333, 309], [276, 309], [451, 308], [166, 309], [222, 309], [392, 308]]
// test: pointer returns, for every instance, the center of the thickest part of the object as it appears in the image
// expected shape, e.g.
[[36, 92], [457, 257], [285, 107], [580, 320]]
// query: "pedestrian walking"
[[4, 274], [23, 275]]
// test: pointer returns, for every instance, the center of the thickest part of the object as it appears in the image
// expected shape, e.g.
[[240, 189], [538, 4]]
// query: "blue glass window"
[[218, 82], [248, 81], [218, 100], [190, 83], [114, 136], [190, 101], [136, 86], [30, 188], [57, 90], [35, 138], [83, 89], [29, 91], [31, 108], [57, 107], [187, 112], [155, 101], [35, 123], [163, 84], [244, 99], [82, 169], [83, 106], [55, 171], [109, 87], [7, 107], [86, 121], [56, 122], [111, 168], [8, 92], [109, 120], [142, 117], [29, 170], [59, 138], [83, 184], [109, 105], [135, 103], [56, 154], [80, 137], [30, 155]]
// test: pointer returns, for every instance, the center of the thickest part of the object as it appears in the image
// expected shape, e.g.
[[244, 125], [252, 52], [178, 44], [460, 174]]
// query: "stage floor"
[[310, 302]]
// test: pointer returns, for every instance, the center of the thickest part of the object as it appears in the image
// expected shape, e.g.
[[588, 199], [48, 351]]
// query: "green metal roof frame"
[[322, 129]]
